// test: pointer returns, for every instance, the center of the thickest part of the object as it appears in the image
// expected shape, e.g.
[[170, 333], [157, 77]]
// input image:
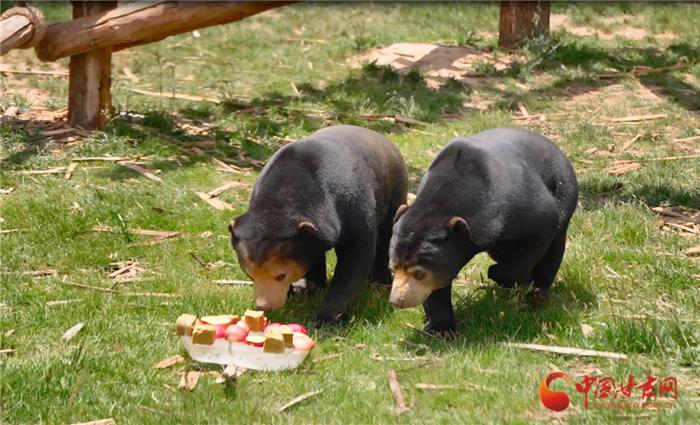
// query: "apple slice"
[[236, 333], [255, 340], [221, 320], [303, 342]]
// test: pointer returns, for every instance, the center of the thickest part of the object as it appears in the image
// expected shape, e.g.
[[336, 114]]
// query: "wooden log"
[[89, 96], [21, 28], [140, 23], [520, 20]]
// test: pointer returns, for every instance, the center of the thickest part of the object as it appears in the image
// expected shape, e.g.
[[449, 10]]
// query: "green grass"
[[619, 264]]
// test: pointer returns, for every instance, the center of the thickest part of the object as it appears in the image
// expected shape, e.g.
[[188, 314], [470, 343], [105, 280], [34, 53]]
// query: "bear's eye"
[[418, 274], [280, 277]]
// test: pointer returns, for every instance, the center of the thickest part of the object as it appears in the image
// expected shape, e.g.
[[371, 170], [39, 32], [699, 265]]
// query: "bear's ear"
[[231, 225], [458, 225], [307, 227], [399, 212]]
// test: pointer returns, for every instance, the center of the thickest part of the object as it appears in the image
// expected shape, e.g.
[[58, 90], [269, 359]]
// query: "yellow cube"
[[274, 342], [255, 320], [184, 325], [203, 334]]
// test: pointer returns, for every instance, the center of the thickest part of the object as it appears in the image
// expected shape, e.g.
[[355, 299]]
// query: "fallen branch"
[[624, 167], [35, 72], [299, 399], [61, 302], [686, 139], [629, 143], [693, 251], [176, 96], [327, 357], [396, 392], [566, 350], [7, 351], [148, 294]]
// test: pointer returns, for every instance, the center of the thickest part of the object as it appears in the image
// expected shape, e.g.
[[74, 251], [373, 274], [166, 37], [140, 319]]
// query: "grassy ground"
[[284, 75]]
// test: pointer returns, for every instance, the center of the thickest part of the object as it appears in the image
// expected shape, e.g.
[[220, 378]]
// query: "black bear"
[[506, 191], [339, 188]]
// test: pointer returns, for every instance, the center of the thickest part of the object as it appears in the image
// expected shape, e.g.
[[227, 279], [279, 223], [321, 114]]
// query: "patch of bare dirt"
[[438, 63], [560, 21]]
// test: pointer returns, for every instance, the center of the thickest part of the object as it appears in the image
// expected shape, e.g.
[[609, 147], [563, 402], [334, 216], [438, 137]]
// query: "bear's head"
[[273, 259], [425, 254]]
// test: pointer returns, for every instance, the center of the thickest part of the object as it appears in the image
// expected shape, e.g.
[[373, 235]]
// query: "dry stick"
[[215, 202], [421, 331], [56, 170], [70, 170], [35, 72], [137, 231], [327, 357], [673, 158], [233, 282], [108, 421], [396, 392], [94, 288], [628, 144], [100, 158], [297, 400], [687, 139], [566, 350], [7, 351], [139, 169], [176, 96], [57, 132], [637, 118], [221, 189]]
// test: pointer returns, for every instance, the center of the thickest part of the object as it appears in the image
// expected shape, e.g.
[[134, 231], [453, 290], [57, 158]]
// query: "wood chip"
[[108, 421], [230, 373], [299, 399], [395, 388], [233, 282], [693, 251], [624, 167], [55, 170], [638, 118], [170, 361], [7, 351], [189, 380], [139, 169], [70, 170], [46, 271], [176, 96], [7, 191], [215, 202], [70, 333], [230, 185], [587, 330], [523, 110], [566, 350], [226, 167]]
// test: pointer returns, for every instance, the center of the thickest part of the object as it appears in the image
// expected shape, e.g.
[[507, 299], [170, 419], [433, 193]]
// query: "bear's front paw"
[[442, 330], [538, 297], [304, 287], [325, 319], [498, 274]]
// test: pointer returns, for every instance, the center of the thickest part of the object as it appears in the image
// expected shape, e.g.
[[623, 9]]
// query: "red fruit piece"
[[255, 340], [236, 333], [295, 327], [220, 331]]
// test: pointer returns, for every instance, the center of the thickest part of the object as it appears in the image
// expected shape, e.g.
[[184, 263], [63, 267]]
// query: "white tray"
[[239, 354]]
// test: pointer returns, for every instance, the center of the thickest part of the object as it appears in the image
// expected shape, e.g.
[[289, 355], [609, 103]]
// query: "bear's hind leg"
[[380, 268], [546, 269]]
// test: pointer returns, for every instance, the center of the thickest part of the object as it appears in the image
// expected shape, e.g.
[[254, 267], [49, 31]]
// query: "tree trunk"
[[521, 20]]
